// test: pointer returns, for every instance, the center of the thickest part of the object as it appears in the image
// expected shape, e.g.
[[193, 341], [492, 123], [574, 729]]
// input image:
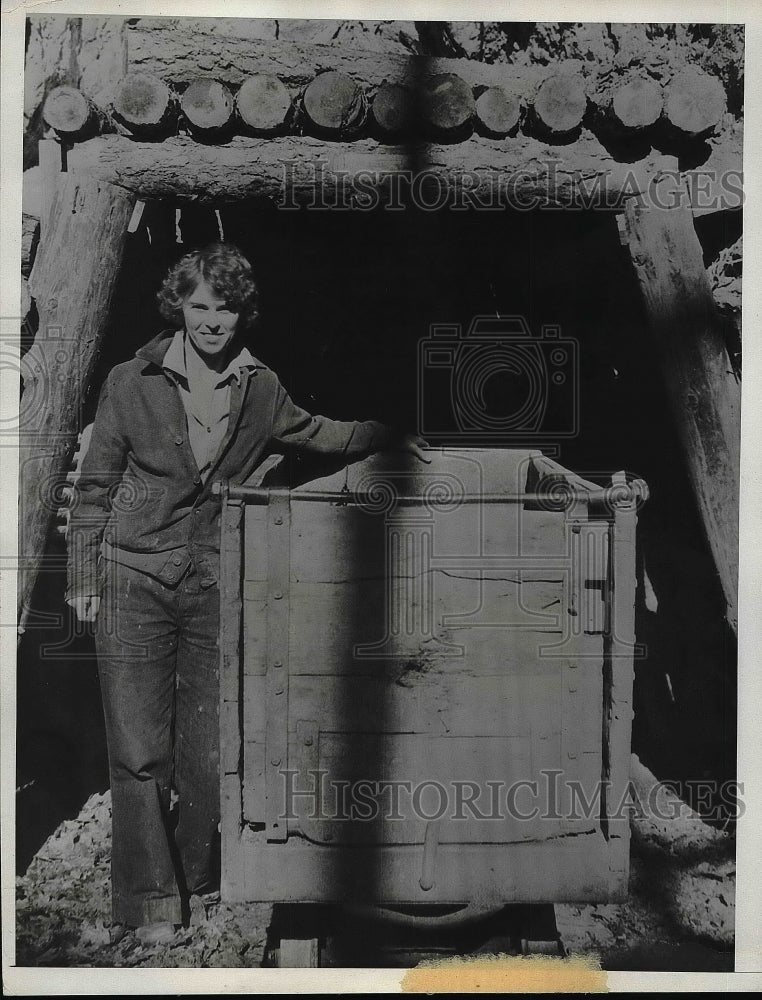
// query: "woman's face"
[[209, 322]]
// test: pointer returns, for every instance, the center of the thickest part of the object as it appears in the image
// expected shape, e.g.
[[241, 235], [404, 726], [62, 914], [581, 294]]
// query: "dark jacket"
[[139, 488]]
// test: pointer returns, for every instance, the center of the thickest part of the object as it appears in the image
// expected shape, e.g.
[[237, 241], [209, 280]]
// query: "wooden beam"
[[186, 51], [88, 226], [523, 173], [691, 353]]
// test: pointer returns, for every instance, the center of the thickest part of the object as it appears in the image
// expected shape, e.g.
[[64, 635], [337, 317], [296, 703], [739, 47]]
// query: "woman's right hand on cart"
[[86, 606]]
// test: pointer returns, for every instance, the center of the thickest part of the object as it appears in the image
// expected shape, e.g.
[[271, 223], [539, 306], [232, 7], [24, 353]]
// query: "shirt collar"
[[174, 360]]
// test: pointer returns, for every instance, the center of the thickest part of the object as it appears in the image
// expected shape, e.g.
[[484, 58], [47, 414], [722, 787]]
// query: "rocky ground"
[[679, 914]]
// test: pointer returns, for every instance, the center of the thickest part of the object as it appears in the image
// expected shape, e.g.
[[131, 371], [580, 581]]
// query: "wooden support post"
[[89, 227], [50, 174], [691, 353], [29, 242]]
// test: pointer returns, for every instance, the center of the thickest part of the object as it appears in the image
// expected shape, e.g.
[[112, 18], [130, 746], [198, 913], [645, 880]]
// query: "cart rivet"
[[308, 741], [275, 761], [570, 755], [277, 663], [572, 690], [278, 595], [279, 690], [576, 528], [279, 520]]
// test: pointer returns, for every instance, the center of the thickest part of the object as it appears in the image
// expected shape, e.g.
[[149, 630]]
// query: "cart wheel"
[[298, 953]]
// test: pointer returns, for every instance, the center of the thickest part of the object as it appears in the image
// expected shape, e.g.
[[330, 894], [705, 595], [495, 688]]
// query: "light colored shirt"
[[207, 419]]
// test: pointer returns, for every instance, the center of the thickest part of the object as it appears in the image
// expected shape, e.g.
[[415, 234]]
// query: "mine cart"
[[427, 685]]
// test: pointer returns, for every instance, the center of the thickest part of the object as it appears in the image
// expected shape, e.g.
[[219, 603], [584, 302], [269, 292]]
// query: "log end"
[[561, 102], [333, 101], [263, 102], [447, 102], [393, 108], [207, 104], [497, 112], [695, 101], [141, 99], [638, 103], [66, 109]]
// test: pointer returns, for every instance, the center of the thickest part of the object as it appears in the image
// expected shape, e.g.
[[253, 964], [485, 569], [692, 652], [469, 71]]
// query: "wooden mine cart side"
[[444, 653]]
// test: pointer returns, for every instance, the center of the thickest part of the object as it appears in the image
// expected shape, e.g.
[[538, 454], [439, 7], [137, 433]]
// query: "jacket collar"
[[175, 361], [156, 349]]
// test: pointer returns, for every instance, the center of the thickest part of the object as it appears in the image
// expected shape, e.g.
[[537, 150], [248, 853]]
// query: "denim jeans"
[[158, 662]]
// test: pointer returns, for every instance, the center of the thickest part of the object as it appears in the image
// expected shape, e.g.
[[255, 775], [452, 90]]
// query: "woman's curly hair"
[[227, 272]]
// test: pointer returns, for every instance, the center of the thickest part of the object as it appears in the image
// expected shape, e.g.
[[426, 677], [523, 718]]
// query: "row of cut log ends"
[[333, 104]]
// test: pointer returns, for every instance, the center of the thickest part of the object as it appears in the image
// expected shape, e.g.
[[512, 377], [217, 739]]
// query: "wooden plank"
[[255, 551], [254, 708], [254, 794], [231, 601], [235, 859], [619, 676], [344, 636], [692, 357], [88, 224], [277, 676], [564, 869], [457, 705], [230, 738]]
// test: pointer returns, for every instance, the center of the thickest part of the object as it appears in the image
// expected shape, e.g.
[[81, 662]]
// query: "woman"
[[193, 407]]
